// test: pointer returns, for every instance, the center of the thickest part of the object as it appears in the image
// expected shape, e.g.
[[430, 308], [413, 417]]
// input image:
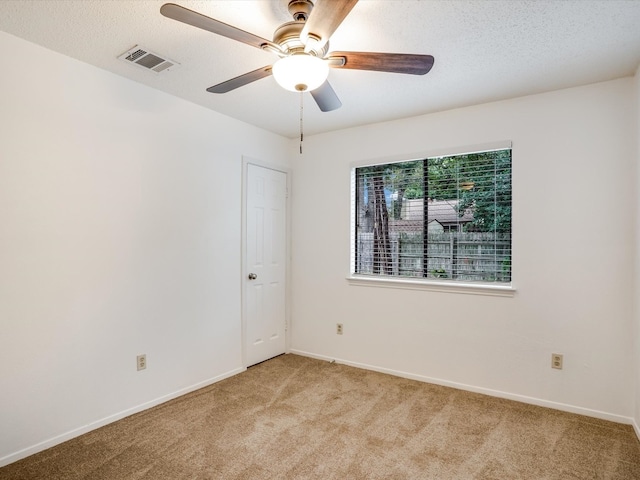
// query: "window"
[[445, 218]]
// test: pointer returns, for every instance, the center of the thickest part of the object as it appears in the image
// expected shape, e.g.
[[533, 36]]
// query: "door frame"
[[246, 161]]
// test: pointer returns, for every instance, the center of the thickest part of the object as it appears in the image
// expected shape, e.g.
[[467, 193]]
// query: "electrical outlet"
[[141, 361], [339, 328], [556, 361]]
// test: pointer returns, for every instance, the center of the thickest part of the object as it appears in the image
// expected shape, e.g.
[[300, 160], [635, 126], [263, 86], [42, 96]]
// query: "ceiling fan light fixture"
[[300, 72]]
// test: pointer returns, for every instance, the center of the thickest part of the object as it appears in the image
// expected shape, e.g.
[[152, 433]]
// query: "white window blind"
[[446, 217]]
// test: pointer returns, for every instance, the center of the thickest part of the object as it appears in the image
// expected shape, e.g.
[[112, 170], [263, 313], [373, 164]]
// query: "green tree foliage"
[[485, 180], [481, 182], [443, 178]]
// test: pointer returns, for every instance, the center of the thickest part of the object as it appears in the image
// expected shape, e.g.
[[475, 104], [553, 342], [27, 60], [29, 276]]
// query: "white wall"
[[120, 232], [573, 251]]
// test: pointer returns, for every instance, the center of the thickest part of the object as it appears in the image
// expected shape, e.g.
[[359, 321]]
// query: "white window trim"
[[413, 283], [408, 283]]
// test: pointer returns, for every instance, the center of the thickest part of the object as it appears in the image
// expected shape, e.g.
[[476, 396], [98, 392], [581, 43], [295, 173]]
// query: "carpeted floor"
[[298, 418]]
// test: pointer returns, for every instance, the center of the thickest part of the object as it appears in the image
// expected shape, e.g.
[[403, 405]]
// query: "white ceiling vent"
[[147, 59]]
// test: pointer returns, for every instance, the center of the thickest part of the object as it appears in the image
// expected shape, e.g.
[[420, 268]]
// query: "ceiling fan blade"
[[184, 15], [326, 97], [325, 18], [383, 62], [240, 81]]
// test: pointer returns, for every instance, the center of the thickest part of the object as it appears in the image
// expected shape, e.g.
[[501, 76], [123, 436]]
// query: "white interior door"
[[265, 264]]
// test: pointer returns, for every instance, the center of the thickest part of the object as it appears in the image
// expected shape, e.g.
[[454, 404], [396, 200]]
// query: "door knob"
[[252, 276]]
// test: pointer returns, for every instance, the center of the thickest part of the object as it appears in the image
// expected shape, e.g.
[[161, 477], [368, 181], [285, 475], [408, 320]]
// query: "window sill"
[[432, 285]]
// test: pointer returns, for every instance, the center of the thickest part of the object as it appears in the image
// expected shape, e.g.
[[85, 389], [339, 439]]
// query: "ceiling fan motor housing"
[[287, 36]]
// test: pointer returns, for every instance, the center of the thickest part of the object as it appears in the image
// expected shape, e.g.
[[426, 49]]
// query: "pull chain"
[[301, 125]]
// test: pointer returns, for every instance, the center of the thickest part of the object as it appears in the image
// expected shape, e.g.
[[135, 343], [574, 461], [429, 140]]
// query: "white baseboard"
[[14, 457], [486, 391], [636, 428]]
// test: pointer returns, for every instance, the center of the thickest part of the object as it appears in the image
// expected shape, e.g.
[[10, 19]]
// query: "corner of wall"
[[636, 319]]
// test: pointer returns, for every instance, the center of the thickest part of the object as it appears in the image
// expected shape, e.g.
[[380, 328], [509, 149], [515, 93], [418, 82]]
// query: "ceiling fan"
[[303, 47]]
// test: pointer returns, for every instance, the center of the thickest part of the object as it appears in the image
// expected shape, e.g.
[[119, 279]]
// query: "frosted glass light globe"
[[300, 72]]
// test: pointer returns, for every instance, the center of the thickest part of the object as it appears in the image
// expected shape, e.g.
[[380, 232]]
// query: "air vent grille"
[[136, 55], [147, 59]]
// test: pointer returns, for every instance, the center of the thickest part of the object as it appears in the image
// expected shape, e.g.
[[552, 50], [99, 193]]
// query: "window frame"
[[417, 283]]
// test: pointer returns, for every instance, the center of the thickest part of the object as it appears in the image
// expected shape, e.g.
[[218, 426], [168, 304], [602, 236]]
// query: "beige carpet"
[[295, 417]]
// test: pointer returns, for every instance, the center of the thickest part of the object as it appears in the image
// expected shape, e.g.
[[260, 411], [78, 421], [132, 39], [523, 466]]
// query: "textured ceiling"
[[484, 51]]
